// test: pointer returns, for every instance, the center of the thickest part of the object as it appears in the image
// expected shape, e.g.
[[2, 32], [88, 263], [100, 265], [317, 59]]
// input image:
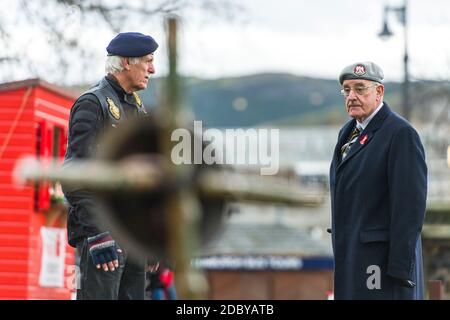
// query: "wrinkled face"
[[139, 73], [362, 97]]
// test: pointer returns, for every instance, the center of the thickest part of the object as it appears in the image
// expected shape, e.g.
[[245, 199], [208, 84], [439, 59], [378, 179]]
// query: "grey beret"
[[362, 70]]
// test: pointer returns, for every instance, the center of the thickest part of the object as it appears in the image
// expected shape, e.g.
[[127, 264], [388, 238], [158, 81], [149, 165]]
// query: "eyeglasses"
[[358, 90]]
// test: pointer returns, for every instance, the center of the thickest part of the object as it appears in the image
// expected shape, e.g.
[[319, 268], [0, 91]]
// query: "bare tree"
[[53, 38]]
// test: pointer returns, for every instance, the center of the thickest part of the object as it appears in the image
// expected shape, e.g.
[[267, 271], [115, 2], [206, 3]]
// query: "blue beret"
[[131, 44]]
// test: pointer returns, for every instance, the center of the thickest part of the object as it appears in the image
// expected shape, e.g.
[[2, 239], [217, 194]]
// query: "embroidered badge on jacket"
[[139, 102], [113, 109], [138, 99]]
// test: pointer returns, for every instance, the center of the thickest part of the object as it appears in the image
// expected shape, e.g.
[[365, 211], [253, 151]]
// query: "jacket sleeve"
[[86, 122], [407, 180]]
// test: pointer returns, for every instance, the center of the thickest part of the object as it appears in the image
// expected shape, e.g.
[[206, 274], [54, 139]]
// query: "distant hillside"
[[269, 99]]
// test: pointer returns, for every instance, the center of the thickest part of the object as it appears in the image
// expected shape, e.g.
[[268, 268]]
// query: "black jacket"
[[94, 111]]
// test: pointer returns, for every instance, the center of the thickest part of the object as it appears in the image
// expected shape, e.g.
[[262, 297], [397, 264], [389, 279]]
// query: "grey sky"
[[318, 38], [303, 37]]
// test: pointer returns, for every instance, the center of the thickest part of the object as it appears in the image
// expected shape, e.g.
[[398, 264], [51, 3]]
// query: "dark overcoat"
[[378, 196]]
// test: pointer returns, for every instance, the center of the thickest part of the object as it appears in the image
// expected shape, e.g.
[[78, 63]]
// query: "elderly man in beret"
[[105, 270], [378, 186]]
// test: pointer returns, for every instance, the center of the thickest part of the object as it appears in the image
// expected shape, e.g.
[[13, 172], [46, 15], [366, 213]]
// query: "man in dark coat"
[[105, 270], [378, 185]]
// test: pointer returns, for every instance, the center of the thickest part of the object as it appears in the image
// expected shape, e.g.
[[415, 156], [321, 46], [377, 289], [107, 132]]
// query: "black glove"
[[102, 248], [405, 283]]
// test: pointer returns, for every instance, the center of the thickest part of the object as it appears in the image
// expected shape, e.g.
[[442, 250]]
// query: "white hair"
[[114, 64]]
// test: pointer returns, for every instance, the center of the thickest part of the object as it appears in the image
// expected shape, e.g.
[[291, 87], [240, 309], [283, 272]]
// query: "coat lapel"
[[366, 136]]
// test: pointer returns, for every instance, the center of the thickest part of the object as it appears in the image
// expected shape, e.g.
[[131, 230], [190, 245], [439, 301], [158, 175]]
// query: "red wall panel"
[[23, 106]]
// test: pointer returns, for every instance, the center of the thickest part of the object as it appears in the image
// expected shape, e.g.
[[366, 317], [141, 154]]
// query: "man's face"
[[363, 98], [140, 72]]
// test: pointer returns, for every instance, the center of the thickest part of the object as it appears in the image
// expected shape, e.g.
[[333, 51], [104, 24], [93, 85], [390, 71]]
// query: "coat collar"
[[365, 137], [123, 96], [378, 120]]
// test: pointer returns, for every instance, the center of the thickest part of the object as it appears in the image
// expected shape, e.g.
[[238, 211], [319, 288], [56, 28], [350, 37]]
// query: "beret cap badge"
[[359, 70]]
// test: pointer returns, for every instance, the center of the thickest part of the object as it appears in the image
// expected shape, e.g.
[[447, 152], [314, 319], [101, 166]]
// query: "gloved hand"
[[103, 251], [405, 282]]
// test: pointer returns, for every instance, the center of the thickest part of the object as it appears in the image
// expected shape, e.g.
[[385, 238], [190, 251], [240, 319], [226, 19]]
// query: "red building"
[[35, 260]]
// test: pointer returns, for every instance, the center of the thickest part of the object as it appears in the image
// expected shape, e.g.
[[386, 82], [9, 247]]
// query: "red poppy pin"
[[363, 139]]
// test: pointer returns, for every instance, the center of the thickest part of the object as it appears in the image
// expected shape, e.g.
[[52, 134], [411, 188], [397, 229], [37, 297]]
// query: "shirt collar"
[[365, 123]]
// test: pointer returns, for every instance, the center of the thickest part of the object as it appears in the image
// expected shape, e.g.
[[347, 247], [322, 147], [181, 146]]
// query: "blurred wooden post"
[[435, 290], [183, 207]]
